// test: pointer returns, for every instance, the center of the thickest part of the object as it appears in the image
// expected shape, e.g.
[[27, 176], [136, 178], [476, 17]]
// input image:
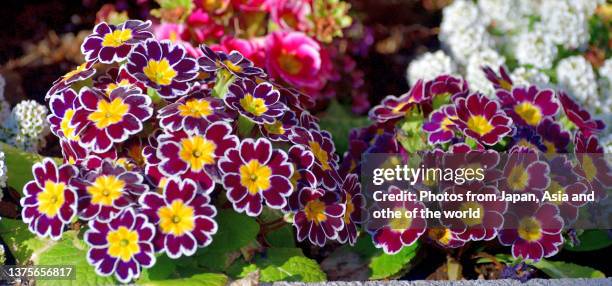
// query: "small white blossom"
[[467, 42], [3, 174], [30, 120], [504, 14], [475, 75], [536, 49], [565, 23], [429, 65], [575, 75], [460, 15], [528, 76], [605, 79]]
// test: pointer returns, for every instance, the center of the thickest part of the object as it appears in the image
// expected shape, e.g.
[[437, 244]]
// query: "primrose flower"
[[297, 59], [110, 43], [163, 66], [393, 107], [184, 216], [482, 119], [533, 231], [491, 212], [104, 193], [580, 116], [116, 77], [290, 15], [281, 128], [592, 166], [192, 113], [441, 127], [444, 86], [258, 102], [355, 211], [528, 105], [253, 172], [63, 106], [234, 62], [393, 234], [49, 201], [554, 137], [122, 246], [195, 155], [500, 81], [82, 72], [444, 237], [322, 147], [102, 120], [321, 217], [525, 172], [568, 210]]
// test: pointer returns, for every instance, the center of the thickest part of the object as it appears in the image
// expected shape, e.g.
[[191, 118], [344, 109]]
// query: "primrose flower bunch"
[[444, 115], [293, 40], [550, 43], [155, 141]]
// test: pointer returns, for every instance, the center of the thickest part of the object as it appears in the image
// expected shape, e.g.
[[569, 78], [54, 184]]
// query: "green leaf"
[[285, 264], [560, 269], [339, 121], [282, 237], [389, 266], [591, 240], [205, 279], [70, 250], [234, 232], [20, 241], [19, 164]]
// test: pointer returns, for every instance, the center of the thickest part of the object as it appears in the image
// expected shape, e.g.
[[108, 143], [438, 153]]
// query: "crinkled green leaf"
[[560, 269], [19, 166], [205, 279], [285, 264], [70, 250], [388, 266]]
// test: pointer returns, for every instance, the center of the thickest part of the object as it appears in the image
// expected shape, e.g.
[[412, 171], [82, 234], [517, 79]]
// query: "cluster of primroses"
[[530, 124], [153, 139], [291, 39]]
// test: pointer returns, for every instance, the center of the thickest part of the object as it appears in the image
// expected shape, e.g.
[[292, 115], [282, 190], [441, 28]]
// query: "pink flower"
[[202, 27], [291, 14], [297, 59]]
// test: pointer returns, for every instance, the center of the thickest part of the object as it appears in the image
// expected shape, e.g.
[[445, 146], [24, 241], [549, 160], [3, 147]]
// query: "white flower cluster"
[[541, 41], [430, 65], [3, 175], [30, 118]]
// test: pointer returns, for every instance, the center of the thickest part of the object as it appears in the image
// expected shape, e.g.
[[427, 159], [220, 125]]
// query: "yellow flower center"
[[295, 177], [159, 72], [350, 207], [231, 66], [518, 177], [290, 63], [197, 151], [105, 190], [550, 147], [117, 38], [51, 199], [472, 207], [275, 128], [315, 211], [402, 222], [255, 176], [448, 121], [442, 235], [65, 125], [505, 85], [530, 229], [255, 106], [320, 154], [79, 69], [529, 113], [112, 86], [123, 243], [198, 108], [590, 171], [479, 124], [177, 218], [554, 189], [108, 113]]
